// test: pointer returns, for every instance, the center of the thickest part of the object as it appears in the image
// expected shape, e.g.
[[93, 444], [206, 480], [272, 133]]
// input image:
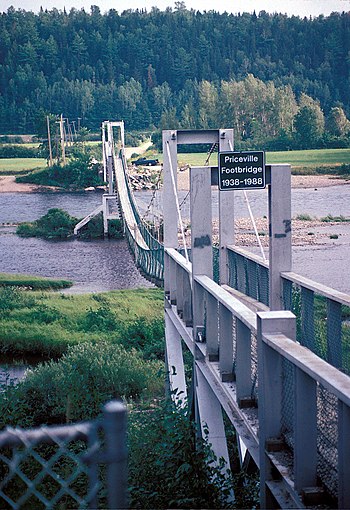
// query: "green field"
[[15, 166], [298, 159]]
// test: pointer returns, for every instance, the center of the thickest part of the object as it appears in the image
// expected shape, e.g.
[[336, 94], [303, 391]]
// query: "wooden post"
[[49, 140], [226, 212]]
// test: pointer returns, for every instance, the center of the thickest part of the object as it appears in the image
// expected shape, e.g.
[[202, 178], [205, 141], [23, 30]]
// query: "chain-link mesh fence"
[[59, 467], [248, 276]]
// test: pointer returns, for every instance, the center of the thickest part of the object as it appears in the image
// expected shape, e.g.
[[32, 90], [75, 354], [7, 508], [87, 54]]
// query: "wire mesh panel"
[[50, 474], [263, 285], [287, 425], [345, 334], [327, 440], [66, 466], [248, 276]]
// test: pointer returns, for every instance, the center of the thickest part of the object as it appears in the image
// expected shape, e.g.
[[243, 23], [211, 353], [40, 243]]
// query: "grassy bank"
[[300, 160], [33, 282], [46, 324], [114, 349], [18, 166]]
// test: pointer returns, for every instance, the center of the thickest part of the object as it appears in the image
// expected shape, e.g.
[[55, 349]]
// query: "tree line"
[[276, 79]]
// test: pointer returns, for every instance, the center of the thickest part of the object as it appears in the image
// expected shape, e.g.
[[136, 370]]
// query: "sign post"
[[242, 170]]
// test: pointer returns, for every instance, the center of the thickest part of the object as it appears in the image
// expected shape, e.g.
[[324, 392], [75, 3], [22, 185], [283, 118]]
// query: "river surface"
[[107, 264], [102, 265]]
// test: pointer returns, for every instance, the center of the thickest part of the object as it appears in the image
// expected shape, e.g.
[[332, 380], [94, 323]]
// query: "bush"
[[146, 336], [75, 387], [17, 151], [180, 471], [79, 173], [94, 228], [56, 224]]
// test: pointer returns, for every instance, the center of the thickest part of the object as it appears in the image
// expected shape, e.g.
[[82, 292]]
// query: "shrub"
[[12, 298], [102, 319], [56, 224], [146, 336], [94, 228], [75, 387], [17, 151], [181, 470], [79, 173]]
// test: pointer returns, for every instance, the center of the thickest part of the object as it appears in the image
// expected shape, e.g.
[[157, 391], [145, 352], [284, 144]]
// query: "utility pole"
[[49, 140], [62, 140]]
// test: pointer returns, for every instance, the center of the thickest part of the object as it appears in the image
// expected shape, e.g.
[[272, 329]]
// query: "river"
[[107, 264]]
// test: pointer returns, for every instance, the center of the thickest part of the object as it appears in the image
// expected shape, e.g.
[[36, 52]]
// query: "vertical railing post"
[[169, 197], [270, 391], [280, 232], [305, 431], [243, 362], [212, 329], [201, 239], [226, 212], [225, 343], [179, 289], [114, 422]]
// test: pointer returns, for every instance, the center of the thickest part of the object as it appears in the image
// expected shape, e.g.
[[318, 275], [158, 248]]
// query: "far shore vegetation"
[[57, 224], [33, 282]]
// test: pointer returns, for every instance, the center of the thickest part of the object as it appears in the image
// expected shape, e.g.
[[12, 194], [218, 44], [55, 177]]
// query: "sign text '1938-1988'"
[[242, 170]]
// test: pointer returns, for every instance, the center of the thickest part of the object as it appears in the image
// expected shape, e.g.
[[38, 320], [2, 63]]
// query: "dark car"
[[146, 162]]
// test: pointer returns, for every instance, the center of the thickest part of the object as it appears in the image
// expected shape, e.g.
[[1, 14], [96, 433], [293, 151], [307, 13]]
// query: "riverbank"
[[298, 181], [8, 183]]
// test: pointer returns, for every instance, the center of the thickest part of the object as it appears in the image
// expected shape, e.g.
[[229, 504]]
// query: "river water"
[[107, 264]]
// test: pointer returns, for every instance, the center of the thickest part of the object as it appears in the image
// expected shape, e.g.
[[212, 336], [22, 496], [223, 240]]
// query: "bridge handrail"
[[151, 241], [315, 367], [318, 288], [232, 304]]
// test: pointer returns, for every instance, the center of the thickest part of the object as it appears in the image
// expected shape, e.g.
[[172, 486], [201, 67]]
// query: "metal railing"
[[82, 465], [276, 392]]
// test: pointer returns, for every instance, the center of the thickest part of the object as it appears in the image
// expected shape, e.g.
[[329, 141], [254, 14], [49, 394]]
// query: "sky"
[[290, 7]]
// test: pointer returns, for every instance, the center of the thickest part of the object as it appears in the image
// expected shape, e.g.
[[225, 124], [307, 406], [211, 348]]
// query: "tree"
[[337, 123], [307, 131]]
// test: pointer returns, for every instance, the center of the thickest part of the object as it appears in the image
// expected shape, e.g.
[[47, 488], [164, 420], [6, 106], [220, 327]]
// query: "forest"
[[278, 80]]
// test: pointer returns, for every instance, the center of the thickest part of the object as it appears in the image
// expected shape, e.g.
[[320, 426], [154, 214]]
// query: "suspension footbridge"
[[270, 348]]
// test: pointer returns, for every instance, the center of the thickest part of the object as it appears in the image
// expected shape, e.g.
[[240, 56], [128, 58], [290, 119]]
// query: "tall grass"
[[32, 282], [47, 323]]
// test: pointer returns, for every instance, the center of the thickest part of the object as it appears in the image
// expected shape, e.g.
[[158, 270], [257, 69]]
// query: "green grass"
[[298, 159], [16, 166], [46, 323], [32, 282]]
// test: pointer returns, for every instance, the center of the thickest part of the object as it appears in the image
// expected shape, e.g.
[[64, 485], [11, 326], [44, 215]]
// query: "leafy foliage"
[[55, 224], [18, 151], [251, 73], [76, 386], [181, 470], [78, 173]]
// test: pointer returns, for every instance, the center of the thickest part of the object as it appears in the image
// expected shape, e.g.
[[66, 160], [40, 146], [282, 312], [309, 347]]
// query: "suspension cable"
[[252, 217], [210, 152], [177, 201], [153, 195]]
